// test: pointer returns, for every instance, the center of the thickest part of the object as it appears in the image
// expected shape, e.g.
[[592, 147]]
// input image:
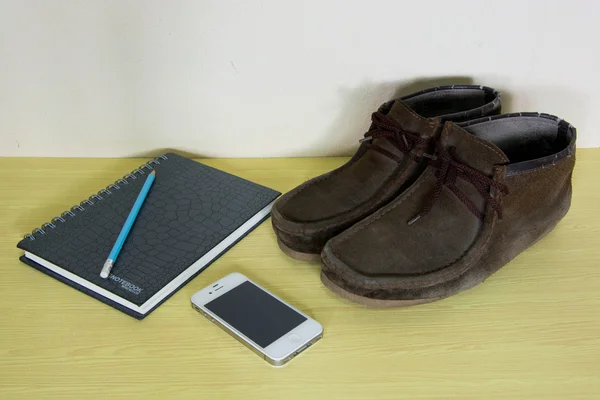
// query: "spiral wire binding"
[[95, 198]]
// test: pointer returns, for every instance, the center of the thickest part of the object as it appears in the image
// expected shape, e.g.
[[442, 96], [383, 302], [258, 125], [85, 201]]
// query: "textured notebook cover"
[[190, 209]]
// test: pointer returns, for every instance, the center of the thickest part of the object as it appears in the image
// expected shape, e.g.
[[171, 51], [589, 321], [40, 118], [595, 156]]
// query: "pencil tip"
[[153, 173]]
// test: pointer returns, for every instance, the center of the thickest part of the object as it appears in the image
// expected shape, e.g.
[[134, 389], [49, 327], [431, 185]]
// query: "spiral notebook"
[[192, 215]]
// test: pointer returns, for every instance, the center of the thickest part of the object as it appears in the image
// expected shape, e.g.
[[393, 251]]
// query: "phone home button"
[[294, 338]]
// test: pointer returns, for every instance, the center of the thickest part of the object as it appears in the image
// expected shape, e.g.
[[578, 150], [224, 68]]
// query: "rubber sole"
[[369, 302], [307, 257]]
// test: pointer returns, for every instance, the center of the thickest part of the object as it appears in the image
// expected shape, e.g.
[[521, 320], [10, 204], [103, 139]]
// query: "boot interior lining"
[[524, 138], [445, 102]]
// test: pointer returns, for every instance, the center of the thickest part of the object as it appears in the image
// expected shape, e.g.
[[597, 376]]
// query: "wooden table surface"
[[532, 331]]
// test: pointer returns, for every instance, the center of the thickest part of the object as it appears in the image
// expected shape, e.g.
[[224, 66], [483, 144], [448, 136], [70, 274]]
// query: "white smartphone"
[[274, 330]]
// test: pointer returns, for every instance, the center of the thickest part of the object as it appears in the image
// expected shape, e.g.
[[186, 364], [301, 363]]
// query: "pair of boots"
[[442, 192]]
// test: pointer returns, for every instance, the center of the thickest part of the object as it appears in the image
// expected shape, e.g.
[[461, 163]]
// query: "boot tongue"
[[477, 153], [409, 120]]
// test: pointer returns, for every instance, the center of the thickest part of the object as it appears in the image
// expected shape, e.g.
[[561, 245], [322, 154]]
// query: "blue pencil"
[[114, 253]]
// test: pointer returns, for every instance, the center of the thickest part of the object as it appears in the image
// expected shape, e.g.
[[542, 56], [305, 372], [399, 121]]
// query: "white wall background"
[[274, 77]]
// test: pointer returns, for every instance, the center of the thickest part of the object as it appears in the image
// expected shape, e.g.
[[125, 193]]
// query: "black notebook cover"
[[192, 215]]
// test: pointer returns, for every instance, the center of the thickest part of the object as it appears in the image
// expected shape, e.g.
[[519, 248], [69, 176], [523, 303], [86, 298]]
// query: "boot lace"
[[403, 140], [449, 169]]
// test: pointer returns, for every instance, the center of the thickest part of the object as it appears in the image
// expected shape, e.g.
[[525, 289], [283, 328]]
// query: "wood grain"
[[529, 332]]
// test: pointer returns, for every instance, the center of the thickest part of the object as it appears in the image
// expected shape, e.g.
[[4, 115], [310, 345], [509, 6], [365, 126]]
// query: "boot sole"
[[369, 302], [307, 257]]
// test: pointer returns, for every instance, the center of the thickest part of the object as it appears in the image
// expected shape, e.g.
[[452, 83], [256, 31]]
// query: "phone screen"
[[258, 315]]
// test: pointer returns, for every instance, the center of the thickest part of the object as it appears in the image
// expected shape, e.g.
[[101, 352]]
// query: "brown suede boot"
[[389, 160], [497, 185]]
